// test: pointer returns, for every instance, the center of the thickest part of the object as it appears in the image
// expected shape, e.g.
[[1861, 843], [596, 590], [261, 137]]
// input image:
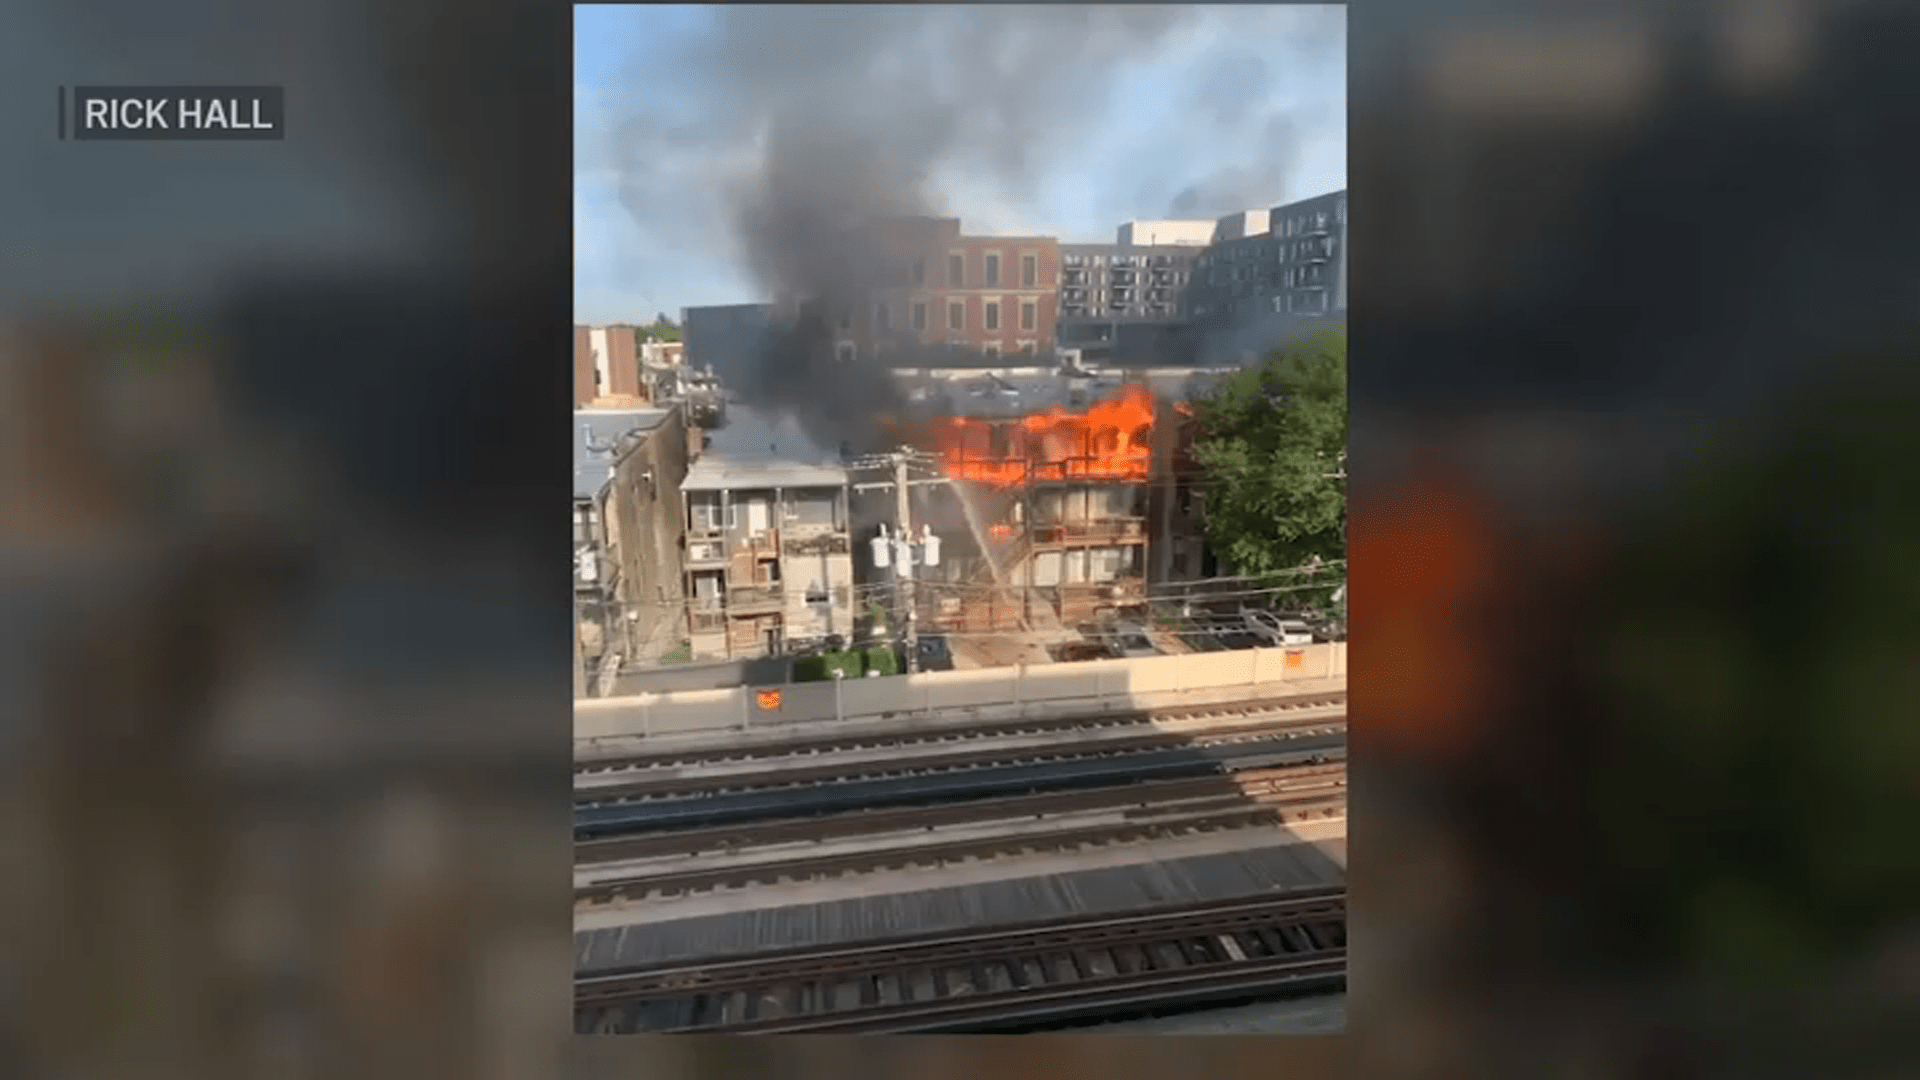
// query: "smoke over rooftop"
[[792, 131]]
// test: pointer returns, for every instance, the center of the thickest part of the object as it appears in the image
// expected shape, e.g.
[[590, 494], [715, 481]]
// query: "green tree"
[[663, 329], [1272, 444]]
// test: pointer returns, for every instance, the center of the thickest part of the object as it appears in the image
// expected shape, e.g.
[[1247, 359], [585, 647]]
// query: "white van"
[[1275, 630]]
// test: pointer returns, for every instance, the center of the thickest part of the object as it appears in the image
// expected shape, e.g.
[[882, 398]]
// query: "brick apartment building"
[[985, 295]]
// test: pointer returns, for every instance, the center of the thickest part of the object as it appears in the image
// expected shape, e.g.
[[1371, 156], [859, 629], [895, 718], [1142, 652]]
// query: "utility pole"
[[903, 563]]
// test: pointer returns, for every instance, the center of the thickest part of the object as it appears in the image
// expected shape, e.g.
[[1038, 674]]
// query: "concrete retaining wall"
[[1009, 692]]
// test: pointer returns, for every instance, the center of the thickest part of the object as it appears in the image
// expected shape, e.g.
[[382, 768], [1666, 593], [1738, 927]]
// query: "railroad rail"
[[1008, 979], [640, 790], [939, 854], [1143, 799], [927, 787], [842, 742]]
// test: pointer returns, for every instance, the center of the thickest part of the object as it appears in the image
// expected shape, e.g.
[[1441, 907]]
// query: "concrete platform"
[[925, 723], [1001, 891]]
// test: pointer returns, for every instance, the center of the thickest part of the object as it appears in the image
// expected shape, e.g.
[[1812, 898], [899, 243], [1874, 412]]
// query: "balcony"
[[708, 553], [743, 599], [817, 540], [760, 545], [706, 619]]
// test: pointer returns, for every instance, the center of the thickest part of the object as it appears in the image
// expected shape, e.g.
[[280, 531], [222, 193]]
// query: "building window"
[[919, 315], [956, 314], [1029, 314], [993, 313], [919, 272], [1026, 348], [993, 271], [847, 351], [882, 318], [957, 270], [991, 350], [1029, 271]]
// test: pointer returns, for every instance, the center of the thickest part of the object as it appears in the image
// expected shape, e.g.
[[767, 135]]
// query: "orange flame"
[[1112, 440]]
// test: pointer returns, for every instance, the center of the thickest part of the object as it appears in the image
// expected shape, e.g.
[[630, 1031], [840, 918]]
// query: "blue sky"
[[1158, 129]]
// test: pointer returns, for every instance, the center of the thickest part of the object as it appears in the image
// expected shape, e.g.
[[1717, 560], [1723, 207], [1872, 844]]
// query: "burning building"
[[1070, 490], [1056, 498]]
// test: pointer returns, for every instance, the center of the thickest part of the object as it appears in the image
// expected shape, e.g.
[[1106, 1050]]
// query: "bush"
[[822, 666], [880, 659]]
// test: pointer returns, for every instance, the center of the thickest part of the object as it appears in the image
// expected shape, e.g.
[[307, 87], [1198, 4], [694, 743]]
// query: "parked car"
[[1080, 650], [1130, 639], [934, 654], [1275, 630]]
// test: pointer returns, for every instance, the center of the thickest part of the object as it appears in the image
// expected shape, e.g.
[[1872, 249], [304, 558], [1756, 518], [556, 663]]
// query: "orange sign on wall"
[[769, 700], [1296, 657]]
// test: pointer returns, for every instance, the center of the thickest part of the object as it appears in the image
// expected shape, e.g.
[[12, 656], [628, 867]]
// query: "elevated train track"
[[1269, 797], [1014, 978], [1291, 783], [929, 787], [674, 783]]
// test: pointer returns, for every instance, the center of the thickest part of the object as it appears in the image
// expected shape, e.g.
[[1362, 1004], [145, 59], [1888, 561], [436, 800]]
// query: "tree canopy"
[[1272, 446], [663, 329]]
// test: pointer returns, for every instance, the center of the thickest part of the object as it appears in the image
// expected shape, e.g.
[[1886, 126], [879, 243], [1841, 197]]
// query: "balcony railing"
[[1085, 531]]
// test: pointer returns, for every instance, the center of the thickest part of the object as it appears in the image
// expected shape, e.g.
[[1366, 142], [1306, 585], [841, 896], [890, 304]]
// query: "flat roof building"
[[769, 556], [1184, 232]]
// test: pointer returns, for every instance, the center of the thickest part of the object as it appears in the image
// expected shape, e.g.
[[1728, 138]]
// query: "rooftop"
[[596, 437], [759, 449], [1017, 392]]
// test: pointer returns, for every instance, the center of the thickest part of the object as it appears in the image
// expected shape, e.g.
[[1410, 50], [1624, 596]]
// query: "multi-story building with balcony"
[[1121, 302], [768, 558], [1311, 253], [1068, 518], [1290, 270]]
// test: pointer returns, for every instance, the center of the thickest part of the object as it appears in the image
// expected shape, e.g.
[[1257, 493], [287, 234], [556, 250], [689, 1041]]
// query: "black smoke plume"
[[801, 130]]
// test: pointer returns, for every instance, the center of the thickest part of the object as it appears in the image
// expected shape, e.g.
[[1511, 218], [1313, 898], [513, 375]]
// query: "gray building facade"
[[1122, 301], [725, 337], [1294, 272]]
